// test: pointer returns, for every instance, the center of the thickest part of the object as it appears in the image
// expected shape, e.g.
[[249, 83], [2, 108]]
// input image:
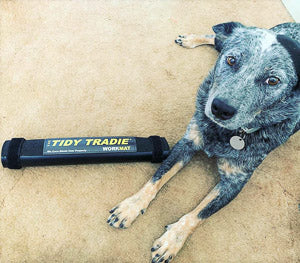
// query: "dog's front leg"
[[127, 211], [192, 40], [233, 178]]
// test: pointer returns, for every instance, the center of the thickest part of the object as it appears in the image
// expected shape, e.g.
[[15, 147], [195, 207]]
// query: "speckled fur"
[[272, 109]]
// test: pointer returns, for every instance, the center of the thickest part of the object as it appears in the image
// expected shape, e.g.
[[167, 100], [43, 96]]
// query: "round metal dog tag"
[[237, 142]]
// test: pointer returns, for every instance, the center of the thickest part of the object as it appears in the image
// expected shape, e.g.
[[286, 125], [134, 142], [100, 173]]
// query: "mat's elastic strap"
[[13, 153], [157, 153]]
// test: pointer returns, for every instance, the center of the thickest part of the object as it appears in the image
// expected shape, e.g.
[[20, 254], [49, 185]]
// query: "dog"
[[247, 106]]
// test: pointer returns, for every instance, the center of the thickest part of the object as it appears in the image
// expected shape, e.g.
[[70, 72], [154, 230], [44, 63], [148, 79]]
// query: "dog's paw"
[[126, 212], [187, 41], [168, 245]]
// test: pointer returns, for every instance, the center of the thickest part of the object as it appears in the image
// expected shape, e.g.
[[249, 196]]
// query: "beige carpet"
[[96, 68]]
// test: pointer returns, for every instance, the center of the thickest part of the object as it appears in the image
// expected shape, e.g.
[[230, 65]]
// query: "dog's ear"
[[223, 31], [293, 48]]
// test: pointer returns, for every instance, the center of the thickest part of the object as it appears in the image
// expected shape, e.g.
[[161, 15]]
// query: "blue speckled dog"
[[246, 107]]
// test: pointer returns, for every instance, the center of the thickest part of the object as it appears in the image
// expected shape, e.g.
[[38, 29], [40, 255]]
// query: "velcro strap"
[[157, 153], [13, 153]]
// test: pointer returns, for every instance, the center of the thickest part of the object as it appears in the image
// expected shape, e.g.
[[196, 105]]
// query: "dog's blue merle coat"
[[273, 110], [275, 113]]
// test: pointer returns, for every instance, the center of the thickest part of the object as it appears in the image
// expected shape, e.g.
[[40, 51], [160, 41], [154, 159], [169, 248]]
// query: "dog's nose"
[[222, 110]]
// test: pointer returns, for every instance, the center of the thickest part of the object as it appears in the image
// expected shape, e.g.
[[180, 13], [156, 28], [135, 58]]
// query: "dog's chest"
[[216, 142], [218, 145]]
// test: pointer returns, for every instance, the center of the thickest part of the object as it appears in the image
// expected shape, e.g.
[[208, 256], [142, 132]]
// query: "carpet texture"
[[104, 68]]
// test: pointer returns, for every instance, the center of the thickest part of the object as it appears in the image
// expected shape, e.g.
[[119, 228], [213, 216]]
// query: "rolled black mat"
[[18, 152]]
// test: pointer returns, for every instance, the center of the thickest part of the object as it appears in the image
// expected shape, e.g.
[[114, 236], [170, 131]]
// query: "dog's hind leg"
[[192, 40], [127, 211], [233, 178]]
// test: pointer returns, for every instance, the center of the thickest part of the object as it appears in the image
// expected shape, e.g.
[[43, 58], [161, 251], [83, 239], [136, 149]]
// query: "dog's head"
[[255, 80]]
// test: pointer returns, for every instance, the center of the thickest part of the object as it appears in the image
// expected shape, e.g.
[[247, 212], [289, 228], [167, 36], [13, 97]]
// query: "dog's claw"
[[169, 259], [178, 41], [156, 258], [122, 224], [111, 218], [154, 248], [113, 210]]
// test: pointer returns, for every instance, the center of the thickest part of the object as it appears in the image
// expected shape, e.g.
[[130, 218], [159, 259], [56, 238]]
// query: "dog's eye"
[[272, 81], [230, 60]]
